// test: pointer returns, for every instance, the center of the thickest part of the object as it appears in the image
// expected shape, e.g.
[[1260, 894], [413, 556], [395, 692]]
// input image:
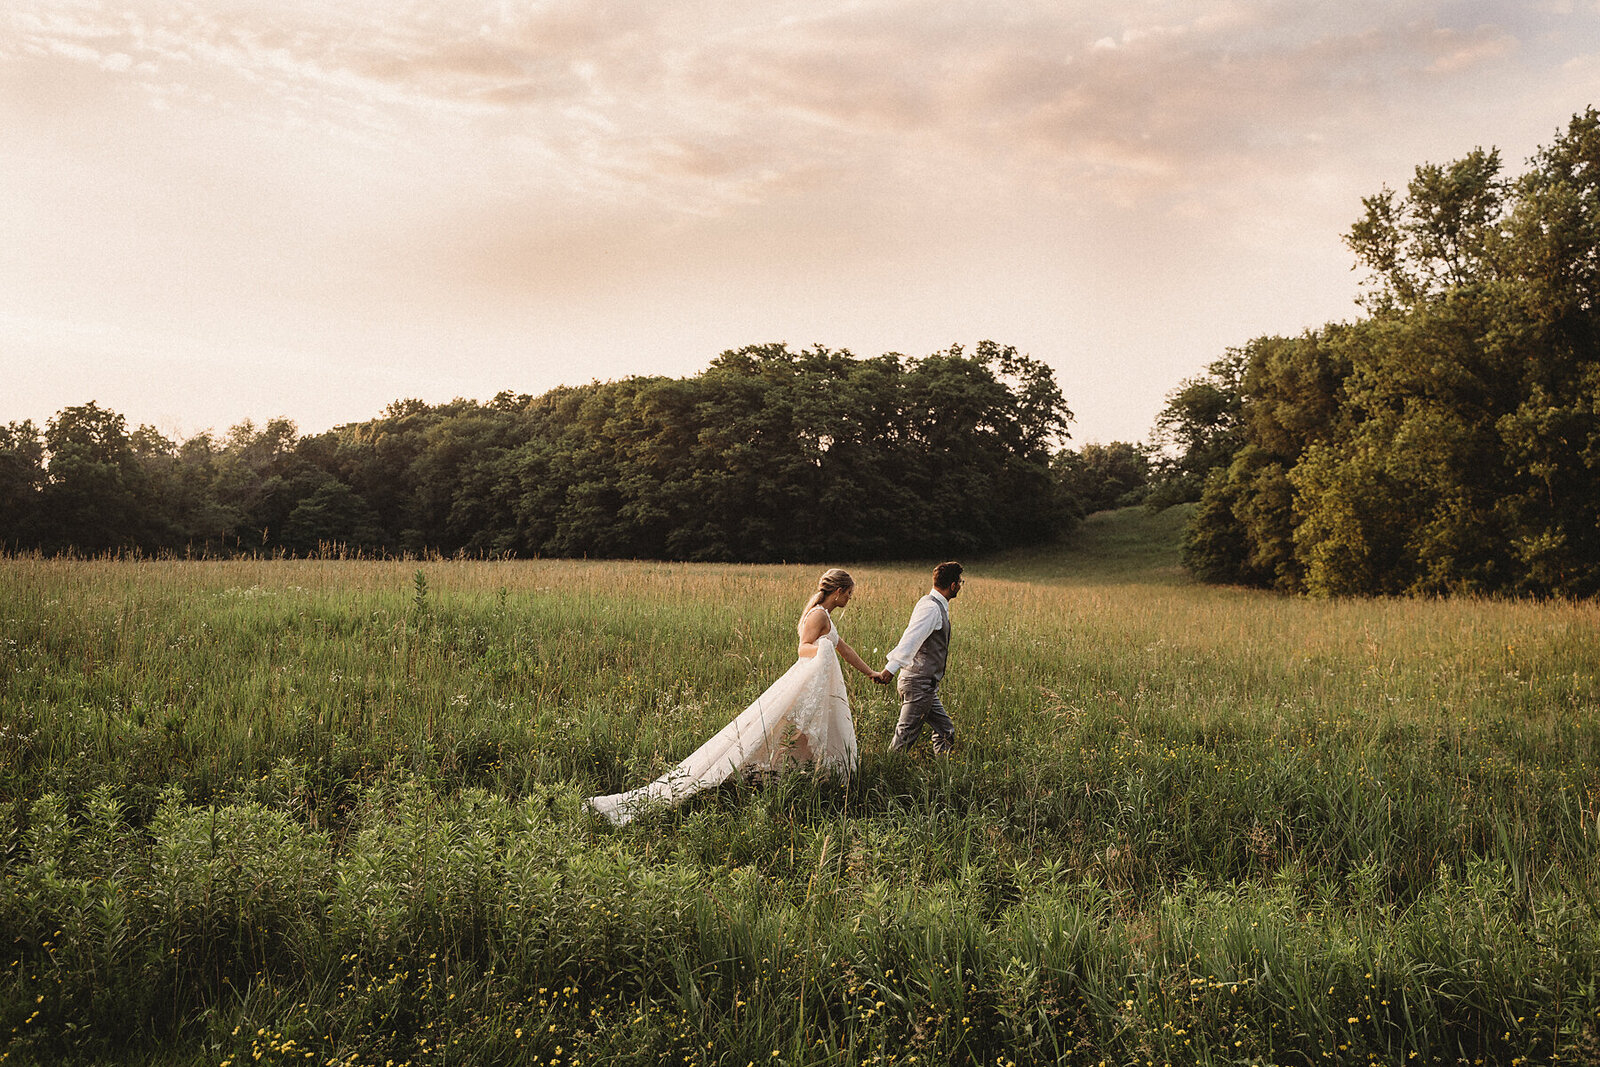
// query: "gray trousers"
[[919, 703]]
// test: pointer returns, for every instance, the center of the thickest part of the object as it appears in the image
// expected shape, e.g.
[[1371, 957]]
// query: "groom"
[[921, 652]]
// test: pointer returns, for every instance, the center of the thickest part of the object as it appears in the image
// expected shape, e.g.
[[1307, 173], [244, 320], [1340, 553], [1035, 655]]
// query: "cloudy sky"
[[219, 209]]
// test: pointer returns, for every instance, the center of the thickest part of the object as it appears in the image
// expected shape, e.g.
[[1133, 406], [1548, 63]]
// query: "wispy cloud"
[[1457, 52], [707, 104]]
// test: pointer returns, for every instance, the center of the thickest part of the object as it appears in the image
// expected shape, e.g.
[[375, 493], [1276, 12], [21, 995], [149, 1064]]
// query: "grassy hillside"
[[1126, 546], [330, 813]]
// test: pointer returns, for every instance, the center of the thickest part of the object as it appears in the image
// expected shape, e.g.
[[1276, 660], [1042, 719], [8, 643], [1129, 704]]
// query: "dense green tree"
[[260, 474], [332, 517], [1291, 396], [1243, 528], [981, 430], [1198, 430], [165, 498], [22, 474], [1097, 477], [1450, 441], [539, 473], [759, 453], [1552, 433], [1438, 238], [865, 448], [95, 497]]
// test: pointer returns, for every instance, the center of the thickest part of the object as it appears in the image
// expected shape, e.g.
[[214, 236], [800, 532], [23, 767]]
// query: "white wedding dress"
[[803, 717]]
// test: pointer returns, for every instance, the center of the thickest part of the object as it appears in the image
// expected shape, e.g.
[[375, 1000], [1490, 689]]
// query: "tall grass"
[[330, 812]]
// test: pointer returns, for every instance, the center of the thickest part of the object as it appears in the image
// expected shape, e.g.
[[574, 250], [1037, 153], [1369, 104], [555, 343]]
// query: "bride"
[[804, 717]]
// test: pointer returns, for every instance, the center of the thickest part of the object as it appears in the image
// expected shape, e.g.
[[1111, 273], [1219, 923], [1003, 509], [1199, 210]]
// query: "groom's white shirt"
[[924, 620]]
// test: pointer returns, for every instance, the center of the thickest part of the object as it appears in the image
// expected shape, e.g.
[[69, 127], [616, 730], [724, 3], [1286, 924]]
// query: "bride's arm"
[[812, 627], [855, 660]]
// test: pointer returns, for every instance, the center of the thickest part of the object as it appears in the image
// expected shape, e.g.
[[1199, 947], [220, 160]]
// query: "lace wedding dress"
[[803, 717]]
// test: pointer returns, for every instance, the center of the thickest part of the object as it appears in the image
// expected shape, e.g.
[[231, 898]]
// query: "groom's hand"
[[882, 677]]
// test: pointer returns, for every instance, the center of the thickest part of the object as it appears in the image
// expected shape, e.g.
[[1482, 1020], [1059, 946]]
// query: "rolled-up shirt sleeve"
[[924, 620]]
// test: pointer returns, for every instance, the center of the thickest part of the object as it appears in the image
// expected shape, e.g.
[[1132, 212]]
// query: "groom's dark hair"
[[945, 574]]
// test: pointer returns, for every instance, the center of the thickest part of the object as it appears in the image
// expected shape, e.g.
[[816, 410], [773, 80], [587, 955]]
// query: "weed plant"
[[330, 812]]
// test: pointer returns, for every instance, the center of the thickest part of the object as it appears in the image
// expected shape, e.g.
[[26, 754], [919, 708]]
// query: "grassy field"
[[329, 812]]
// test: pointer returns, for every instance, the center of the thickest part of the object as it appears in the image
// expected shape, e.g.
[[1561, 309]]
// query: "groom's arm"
[[924, 620]]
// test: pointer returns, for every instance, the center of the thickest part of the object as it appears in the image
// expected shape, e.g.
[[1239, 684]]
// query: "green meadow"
[[328, 812]]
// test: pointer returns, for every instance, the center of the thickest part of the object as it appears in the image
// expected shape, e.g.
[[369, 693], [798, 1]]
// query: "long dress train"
[[802, 717]]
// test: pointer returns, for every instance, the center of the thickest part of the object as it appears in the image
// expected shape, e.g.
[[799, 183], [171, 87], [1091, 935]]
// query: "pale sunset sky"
[[214, 210]]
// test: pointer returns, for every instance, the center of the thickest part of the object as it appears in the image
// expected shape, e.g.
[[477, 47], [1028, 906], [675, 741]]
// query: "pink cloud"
[[1457, 52]]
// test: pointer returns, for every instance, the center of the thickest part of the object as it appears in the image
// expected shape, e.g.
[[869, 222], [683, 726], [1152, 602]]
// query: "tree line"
[[1447, 442], [769, 454]]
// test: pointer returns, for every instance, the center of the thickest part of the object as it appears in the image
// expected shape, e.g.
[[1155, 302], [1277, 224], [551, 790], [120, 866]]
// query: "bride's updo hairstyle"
[[831, 582]]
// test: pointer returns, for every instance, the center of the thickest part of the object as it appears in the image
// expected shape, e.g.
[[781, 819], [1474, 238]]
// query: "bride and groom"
[[804, 717]]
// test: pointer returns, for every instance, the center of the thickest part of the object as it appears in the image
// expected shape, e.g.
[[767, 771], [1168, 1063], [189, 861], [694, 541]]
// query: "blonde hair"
[[832, 581]]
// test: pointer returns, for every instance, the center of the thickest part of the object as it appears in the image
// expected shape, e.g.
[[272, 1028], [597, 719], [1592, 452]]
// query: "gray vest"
[[929, 660]]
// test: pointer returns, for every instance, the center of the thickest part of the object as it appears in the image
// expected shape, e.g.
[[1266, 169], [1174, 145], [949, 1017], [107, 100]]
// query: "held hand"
[[882, 677]]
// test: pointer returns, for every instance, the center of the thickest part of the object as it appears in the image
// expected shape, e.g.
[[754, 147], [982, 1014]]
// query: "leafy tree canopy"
[[1448, 442], [768, 454]]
